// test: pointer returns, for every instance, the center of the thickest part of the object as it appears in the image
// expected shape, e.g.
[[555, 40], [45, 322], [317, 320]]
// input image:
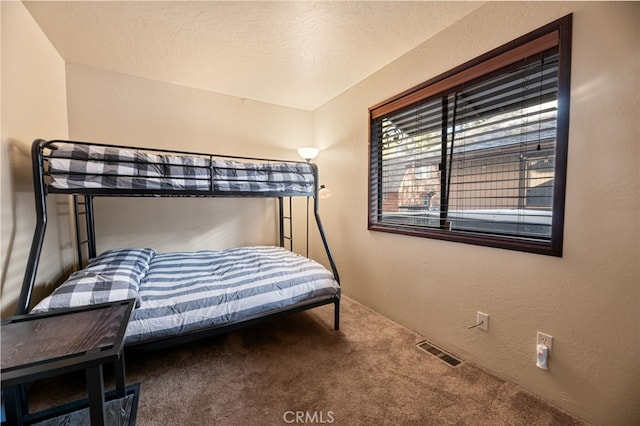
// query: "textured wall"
[[33, 106], [115, 108], [588, 300]]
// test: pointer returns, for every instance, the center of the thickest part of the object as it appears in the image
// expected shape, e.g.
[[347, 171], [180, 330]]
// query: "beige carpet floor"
[[297, 370]]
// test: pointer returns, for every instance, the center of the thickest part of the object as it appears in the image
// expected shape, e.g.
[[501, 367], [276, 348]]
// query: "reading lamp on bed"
[[308, 153], [324, 192]]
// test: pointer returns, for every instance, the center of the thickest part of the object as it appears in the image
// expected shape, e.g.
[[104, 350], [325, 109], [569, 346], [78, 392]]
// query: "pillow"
[[114, 275], [130, 260]]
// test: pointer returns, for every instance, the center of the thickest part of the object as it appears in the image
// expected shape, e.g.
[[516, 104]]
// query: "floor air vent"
[[450, 360]]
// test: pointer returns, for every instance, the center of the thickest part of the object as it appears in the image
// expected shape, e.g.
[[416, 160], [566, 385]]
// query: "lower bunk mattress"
[[185, 292]]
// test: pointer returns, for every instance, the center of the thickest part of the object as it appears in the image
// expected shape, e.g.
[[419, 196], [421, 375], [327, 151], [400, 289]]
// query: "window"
[[478, 154]]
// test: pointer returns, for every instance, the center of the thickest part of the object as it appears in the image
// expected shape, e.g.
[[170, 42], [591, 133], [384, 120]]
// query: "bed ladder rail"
[[286, 233], [83, 210]]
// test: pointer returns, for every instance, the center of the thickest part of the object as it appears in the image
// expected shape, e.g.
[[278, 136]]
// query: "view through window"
[[479, 154]]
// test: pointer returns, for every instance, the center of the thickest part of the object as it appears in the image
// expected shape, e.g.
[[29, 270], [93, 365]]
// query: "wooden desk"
[[44, 345]]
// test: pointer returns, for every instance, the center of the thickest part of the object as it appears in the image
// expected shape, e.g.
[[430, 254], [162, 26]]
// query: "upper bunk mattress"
[[86, 166]]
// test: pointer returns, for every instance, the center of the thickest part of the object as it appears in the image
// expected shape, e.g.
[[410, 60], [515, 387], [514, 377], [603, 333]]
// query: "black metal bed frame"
[[42, 188]]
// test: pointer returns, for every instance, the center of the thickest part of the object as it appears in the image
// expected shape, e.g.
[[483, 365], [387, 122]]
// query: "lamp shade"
[[308, 152], [324, 192]]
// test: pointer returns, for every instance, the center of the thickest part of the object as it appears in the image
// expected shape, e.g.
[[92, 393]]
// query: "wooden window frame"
[[556, 35]]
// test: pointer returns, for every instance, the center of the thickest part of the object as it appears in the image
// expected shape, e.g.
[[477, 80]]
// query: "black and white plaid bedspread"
[[72, 166]]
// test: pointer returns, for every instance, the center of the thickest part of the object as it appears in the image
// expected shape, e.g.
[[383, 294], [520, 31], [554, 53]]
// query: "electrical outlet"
[[483, 320], [545, 339]]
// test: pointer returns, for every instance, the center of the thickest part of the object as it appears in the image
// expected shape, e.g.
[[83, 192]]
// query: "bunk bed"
[[180, 296]]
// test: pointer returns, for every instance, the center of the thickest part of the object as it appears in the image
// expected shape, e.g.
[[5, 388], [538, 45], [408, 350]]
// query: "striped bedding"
[[82, 166], [185, 292]]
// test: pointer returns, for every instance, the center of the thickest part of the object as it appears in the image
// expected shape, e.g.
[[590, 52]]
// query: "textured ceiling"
[[295, 54]]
